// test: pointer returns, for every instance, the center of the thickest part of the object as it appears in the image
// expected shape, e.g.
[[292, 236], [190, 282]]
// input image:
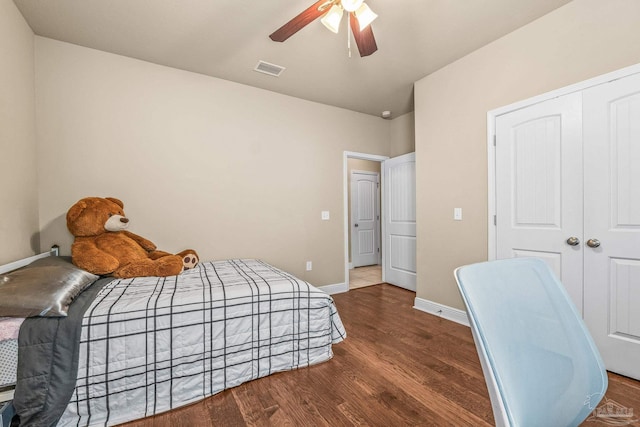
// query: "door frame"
[[491, 135], [378, 212], [346, 181]]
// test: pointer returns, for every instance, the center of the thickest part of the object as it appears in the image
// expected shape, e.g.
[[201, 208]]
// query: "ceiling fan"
[[360, 16]]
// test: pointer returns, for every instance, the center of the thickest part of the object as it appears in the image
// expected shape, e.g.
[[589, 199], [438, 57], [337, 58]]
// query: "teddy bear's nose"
[[125, 220]]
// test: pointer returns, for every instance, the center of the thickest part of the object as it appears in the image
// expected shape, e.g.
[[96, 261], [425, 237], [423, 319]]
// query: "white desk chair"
[[541, 366]]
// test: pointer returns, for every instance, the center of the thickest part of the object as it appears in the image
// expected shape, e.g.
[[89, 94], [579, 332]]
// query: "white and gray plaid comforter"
[[152, 344]]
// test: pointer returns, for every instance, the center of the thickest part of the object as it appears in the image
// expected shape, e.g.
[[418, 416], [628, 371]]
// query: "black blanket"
[[48, 362]]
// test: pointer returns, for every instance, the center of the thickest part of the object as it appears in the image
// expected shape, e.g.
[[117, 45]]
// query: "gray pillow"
[[45, 287]]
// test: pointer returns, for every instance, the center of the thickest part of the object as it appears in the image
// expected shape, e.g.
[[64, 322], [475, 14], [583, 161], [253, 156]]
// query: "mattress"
[[9, 329], [8, 362]]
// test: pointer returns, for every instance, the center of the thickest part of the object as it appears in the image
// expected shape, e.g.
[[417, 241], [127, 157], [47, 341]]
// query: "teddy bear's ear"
[[116, 201], [76, 210]]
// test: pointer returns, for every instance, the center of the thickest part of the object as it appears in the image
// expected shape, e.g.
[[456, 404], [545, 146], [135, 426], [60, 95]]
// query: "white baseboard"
[[350, 266], [449, 313], [338, 288]]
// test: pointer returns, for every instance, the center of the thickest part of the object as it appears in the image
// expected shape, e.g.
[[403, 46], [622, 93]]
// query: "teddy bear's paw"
[[189, 261], [189, 258]]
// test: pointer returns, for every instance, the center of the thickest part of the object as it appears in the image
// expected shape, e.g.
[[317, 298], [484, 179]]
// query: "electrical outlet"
[[325, 215], [309, 266]]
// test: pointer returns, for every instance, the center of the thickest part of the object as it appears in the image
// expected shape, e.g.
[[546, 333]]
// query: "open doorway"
[[397, 218], [365, 263], [363, 234]]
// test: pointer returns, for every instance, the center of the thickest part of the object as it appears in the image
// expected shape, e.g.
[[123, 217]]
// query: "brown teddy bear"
[[103, 246]]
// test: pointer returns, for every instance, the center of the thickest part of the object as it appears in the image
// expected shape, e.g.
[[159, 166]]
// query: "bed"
[[131, 348], [9, 329]]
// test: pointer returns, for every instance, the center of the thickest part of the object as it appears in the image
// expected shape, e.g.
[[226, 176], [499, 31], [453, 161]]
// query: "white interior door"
[[365, 216], [612, 216], [399, 216], [539, 187]]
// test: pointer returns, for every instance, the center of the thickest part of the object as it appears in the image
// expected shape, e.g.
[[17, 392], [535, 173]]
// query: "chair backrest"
[[540, 364]]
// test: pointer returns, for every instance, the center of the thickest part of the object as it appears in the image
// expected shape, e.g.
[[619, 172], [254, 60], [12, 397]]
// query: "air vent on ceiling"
[[267, 68]]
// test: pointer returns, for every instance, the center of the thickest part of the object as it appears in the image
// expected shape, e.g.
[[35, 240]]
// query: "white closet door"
[[539, 187], [612, 217], [399, 214]]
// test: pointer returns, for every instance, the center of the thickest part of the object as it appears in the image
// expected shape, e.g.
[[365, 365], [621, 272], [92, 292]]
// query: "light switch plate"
[[457, 214], [325, 215]]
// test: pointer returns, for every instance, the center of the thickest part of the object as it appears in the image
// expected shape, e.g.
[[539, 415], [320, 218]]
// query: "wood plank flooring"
[[397, 367]]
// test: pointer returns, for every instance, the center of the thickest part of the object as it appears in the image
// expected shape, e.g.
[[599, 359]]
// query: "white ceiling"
[[226, 38]]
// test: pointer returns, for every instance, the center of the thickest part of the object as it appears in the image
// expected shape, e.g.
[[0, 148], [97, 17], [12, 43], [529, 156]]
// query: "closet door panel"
[[612, 221], [539, 186]]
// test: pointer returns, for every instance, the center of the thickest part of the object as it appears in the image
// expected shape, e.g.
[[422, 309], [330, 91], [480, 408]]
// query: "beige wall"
[[581, 40], [402, 133], [230, 170], [18, 185]]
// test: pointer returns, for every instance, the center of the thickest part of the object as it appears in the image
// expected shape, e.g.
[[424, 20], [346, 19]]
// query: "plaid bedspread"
[[152, 344]]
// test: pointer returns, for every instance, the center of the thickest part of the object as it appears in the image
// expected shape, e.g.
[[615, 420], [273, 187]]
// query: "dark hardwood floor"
[[398, 366]]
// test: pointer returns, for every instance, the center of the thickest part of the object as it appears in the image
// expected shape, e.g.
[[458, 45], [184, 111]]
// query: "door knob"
[[593, 243], [573, 241], [355, 225]]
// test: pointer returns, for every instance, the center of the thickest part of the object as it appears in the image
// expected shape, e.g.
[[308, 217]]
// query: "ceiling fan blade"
[[364, 39], [300, 21]]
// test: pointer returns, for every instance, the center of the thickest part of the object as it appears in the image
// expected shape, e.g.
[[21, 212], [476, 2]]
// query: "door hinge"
[[378, 250], [495, 220], [494, 139], [377, 184]]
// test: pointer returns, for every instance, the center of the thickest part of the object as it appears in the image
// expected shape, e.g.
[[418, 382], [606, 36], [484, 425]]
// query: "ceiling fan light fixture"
[[330, 14], [365, 16], [351, 5], [332, 19]]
